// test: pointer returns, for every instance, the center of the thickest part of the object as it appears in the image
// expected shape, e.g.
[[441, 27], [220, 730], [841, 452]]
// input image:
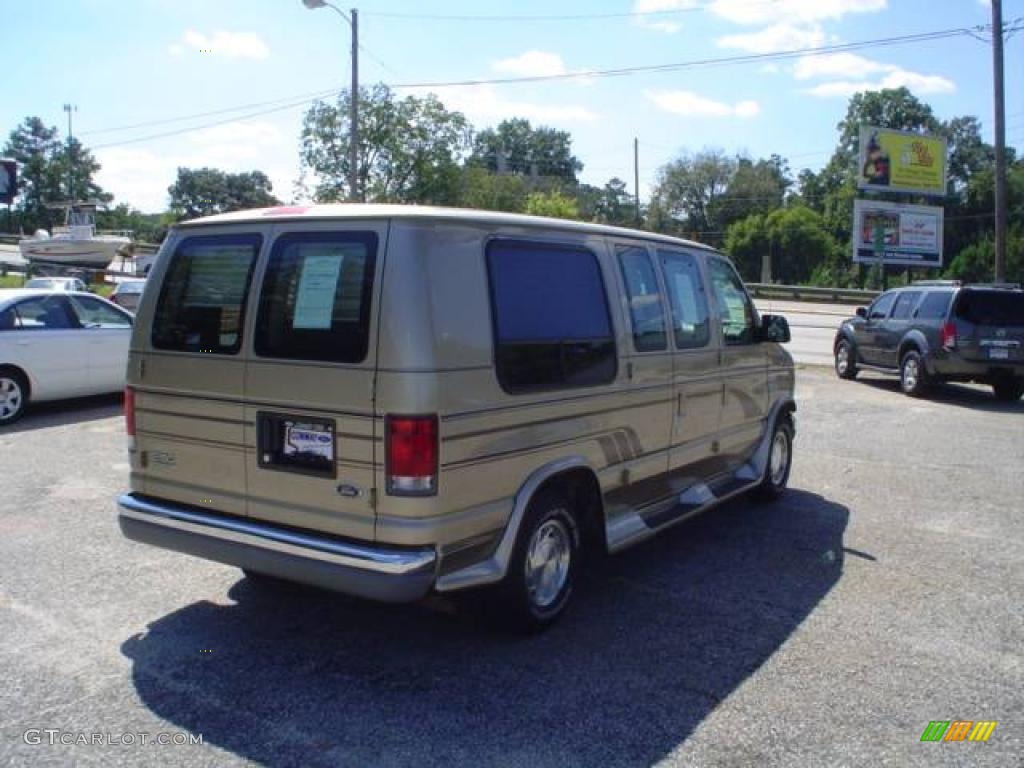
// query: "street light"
[[353, 152]]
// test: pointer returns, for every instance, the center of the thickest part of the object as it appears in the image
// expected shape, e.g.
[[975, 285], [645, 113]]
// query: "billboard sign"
[[901, 161], [908, 235], [8, 181]]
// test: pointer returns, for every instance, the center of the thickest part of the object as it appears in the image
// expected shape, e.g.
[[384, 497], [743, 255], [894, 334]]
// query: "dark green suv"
[[939, 331]]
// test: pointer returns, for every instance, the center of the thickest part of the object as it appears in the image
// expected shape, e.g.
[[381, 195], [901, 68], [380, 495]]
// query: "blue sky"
[[124, 63]]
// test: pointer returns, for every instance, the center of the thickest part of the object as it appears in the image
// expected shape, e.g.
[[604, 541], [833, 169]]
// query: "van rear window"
[[991, 307], [202, 300], [552, 326], [315, 303]]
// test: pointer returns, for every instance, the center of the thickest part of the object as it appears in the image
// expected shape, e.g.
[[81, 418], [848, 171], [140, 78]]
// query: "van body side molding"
[[494, 568]]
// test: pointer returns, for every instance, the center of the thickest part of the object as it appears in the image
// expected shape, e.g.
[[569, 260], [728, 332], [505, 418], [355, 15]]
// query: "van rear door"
[[187, 366], [309, 383], [990, 324]]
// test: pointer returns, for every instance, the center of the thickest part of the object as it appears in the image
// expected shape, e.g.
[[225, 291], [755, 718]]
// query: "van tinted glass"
[[991, 307], [689, 302], [935, 305], [316, 297], [552, 327], [645, 310], [201, 307]]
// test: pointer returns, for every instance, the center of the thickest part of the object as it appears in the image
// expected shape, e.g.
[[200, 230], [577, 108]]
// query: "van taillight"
[[948, 335], [411, 460], [129, 415]]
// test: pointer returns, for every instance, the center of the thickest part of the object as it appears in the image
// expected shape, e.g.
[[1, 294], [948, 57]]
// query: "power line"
[[226, 110], [704, 63], [622, 71]]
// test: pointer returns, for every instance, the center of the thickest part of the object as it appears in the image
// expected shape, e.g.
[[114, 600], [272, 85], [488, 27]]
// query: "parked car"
[[55, 345], [389, 400], [56, 284], [936, 331], [126, 294]]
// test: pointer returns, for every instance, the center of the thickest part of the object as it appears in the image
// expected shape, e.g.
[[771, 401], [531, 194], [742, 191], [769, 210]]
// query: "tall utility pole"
[[1000, 99], [353, 159], [353, 112], [69, 108], [636, 179]]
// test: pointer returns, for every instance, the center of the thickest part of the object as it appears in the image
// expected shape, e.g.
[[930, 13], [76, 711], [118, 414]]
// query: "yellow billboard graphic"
[[901, 161]]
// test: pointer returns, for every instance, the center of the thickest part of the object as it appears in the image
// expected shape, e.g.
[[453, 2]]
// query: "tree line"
[[414, 150]]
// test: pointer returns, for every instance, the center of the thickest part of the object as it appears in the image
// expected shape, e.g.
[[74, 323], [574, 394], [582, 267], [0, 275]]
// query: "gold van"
[[390, 400]]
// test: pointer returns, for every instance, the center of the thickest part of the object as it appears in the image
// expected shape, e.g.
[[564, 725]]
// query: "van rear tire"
[[542, 570]]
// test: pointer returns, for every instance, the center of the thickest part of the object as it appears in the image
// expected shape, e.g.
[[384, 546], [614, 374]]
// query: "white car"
[[59, 344], [56, 284]]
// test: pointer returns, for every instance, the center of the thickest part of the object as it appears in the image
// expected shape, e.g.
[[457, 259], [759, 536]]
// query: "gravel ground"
[[829, 628]]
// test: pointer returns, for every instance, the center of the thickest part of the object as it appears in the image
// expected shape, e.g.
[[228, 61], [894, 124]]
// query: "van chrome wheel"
[[548, 557], [12, 398]]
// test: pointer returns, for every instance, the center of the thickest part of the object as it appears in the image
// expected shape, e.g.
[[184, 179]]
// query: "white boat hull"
[[95, 252]]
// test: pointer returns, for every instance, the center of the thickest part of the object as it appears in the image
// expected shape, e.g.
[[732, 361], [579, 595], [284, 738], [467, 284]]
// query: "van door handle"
[[679, 404]]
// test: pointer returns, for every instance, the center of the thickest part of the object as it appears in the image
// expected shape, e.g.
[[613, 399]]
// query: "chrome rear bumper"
[[378, 573]]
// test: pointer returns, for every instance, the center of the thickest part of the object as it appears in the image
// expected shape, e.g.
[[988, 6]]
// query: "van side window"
[[316, 297], [645, 308], [552, 327], [201, 307], [686, 295], [734, 306]]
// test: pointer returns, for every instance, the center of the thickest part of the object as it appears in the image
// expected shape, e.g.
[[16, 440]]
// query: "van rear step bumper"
[[378, 573]]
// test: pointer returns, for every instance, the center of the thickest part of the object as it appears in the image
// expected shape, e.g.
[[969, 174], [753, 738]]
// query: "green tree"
[[552, 204], [688, 192], [491, 191], [207, 191], [794, 238], [409, 148], [147, 227], [613, 204], [49, 172], [755, 187], [518, 148]]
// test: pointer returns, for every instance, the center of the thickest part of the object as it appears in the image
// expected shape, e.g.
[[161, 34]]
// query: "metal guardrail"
[[811, 293]]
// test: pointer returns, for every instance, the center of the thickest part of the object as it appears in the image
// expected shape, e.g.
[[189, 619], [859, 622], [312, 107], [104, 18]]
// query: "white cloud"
[[656, 21], [835, 65], [791, 11], [690, 104], [141, 177], [853, 72], [778, 37], [532, 64], [175, 50], [896, 78], [483, 104], [228, 45]]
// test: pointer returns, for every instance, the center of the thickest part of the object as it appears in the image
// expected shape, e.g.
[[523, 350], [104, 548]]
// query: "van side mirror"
[[862, 312], [775, 328]]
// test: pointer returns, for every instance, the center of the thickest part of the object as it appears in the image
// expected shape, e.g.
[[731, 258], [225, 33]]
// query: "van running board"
[[635, 526]]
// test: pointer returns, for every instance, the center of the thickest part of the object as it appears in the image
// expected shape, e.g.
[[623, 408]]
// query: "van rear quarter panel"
[[436, 355]]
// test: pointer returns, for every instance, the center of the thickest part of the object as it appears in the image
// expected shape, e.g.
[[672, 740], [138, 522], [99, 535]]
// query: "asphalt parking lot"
[[828, 628]]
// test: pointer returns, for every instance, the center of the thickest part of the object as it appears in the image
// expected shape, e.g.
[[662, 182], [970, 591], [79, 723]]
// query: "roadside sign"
[[901, 161], [895, 233], [8, 181]]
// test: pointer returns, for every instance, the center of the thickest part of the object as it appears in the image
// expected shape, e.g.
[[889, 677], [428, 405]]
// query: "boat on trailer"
[[78, 243]]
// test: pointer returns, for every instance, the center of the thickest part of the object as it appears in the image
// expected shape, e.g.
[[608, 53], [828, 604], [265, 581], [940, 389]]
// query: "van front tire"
[[780, 462], [542, 571]]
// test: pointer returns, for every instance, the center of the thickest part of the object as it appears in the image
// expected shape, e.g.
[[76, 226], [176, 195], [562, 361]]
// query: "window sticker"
[[314, 304]]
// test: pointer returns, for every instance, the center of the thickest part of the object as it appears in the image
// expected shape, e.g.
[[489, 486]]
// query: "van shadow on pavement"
[[655, 640]]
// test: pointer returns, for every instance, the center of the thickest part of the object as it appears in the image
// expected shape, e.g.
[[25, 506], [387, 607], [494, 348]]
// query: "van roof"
[[426, 212]]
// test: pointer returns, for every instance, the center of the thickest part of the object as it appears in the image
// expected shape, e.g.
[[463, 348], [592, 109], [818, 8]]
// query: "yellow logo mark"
[[982, 730]]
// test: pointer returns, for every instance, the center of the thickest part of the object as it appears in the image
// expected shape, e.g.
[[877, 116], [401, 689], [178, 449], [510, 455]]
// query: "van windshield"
[[991, 307]]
